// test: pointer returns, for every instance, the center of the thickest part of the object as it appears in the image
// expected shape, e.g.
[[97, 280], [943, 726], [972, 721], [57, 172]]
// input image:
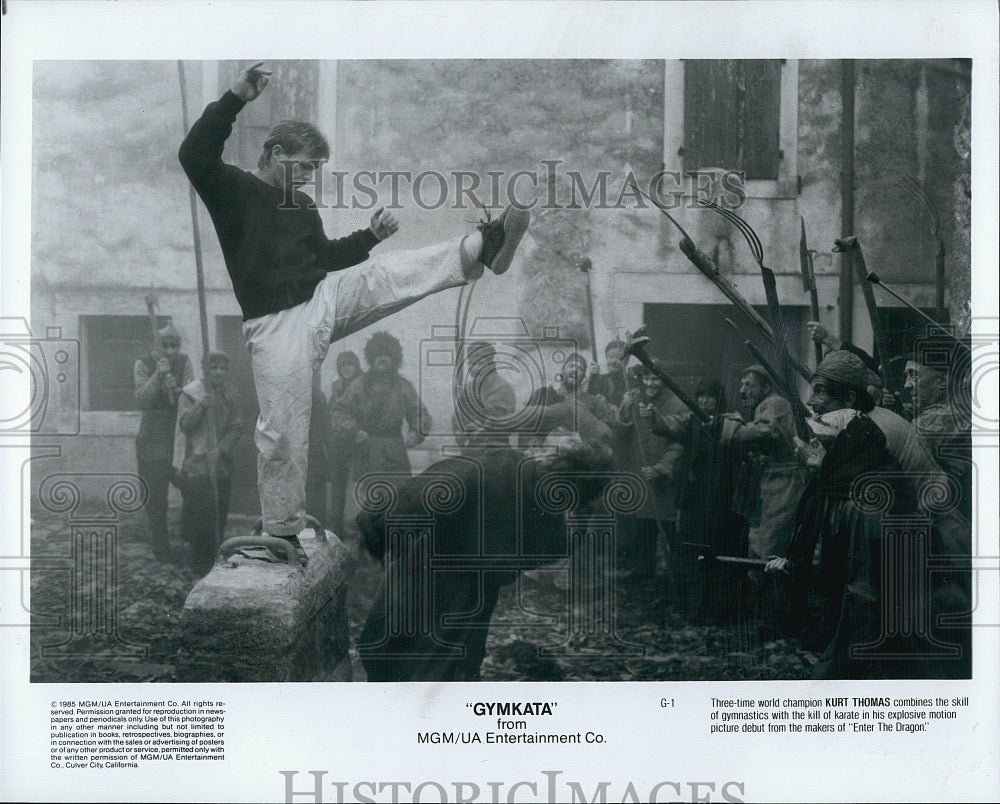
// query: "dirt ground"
[[618, 629]]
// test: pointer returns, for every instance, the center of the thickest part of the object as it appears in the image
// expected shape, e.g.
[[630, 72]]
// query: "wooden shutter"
[[732, 115], [761, 115]]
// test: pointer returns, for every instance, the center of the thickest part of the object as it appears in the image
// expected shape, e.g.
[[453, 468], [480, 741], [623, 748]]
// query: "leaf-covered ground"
[[126, 628]]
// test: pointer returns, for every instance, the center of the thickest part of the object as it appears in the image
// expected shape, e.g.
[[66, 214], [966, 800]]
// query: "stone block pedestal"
[[256, 620]]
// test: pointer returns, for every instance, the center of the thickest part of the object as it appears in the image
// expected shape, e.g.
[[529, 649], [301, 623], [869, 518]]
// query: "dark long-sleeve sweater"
[[276, 253]]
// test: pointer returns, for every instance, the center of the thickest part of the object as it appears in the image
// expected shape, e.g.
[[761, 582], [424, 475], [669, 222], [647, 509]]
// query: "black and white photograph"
[[629, 367]]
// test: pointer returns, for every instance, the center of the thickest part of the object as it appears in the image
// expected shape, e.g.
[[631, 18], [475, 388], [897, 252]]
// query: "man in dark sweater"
[[298, 290]]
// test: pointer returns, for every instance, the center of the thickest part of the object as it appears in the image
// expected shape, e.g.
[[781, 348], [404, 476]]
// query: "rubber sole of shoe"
[[515, 224]]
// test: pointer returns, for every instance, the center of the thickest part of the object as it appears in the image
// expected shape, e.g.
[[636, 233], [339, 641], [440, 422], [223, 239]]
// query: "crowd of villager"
[[846, 508], [845, 501]]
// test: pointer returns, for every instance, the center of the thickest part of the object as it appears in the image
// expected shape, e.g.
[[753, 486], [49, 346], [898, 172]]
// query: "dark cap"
[[844, 367], [169, 333]]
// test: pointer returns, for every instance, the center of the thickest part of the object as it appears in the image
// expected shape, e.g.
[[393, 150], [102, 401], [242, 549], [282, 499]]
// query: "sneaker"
[[501, 238]]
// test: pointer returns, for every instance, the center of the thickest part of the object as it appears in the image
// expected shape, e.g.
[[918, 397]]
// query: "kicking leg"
[[347, 301], [496, 241]]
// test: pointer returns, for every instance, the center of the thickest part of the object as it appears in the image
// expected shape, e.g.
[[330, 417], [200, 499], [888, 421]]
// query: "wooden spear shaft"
[[857, 258], [704, 263], [213, 440], [196, 230]]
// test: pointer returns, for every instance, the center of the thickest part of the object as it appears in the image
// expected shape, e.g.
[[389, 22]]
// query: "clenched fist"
[[383, 224], [251, 82]]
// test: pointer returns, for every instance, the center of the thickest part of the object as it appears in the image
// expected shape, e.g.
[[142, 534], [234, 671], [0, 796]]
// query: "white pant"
[[288, 346]]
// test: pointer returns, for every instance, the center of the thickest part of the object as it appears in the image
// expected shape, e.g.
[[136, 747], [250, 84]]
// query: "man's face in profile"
[[290, 171], [751, 389], [926, 385]]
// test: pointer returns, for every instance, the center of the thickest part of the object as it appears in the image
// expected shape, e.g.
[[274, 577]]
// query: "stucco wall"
[[110, 213]]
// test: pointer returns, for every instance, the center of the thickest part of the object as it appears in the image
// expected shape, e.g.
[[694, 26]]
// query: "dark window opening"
[[695, 343], [112, 344]]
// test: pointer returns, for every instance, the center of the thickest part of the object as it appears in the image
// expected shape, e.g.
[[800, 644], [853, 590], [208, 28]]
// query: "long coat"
[[770, 437], [379, 407], [885, 607], [642, 446]]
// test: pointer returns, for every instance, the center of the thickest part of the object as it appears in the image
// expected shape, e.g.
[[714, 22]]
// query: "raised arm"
[[773, 423], [201, 152], [675, 426], [343, 252], [150, 384]]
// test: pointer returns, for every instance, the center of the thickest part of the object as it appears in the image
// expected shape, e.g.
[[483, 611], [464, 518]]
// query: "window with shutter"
[[732, 116]]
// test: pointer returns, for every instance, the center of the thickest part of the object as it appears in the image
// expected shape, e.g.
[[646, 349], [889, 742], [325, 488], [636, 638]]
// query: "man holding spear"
[[209, 425], [158, 378], [656, 459], [770, 436]]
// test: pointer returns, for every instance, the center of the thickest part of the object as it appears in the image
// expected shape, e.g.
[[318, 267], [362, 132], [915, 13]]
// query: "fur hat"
[[645, 372], [714, 389], [382, 344]]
